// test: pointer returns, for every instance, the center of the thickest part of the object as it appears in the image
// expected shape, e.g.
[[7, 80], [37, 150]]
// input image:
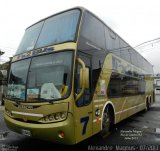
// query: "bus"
[[73, 77]]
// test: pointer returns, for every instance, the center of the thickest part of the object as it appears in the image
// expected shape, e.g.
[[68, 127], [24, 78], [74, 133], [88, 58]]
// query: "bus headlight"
[[54, 117], [51, 117], [63, 115], [57, 116]]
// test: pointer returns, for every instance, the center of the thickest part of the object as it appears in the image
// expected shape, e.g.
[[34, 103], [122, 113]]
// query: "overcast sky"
[[136, 21]]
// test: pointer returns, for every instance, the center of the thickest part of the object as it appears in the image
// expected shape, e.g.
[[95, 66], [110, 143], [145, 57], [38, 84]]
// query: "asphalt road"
[[139, 132]]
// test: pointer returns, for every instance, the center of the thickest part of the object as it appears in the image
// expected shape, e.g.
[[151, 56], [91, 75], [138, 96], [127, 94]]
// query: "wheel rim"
[[106, 121], [148, 106]]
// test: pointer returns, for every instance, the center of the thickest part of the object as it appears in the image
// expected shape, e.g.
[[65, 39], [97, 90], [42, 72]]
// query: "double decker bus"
[[73, 77]]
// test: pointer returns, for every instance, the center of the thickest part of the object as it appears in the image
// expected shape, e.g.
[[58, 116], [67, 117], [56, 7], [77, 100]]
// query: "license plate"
[[26, 132]]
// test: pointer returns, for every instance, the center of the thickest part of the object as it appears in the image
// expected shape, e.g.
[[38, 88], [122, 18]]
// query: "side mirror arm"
[[83, 85]]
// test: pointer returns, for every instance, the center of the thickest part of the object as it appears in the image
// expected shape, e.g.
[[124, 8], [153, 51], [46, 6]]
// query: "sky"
[[136, 21]]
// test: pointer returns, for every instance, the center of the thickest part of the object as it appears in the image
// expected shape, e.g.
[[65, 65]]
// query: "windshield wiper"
[[16, 99], [48, 100]]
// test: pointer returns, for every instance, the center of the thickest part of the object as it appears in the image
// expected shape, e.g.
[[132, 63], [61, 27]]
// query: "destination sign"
[[33, 53]]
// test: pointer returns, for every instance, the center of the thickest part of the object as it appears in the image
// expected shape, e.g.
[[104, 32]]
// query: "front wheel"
[[106, 122]]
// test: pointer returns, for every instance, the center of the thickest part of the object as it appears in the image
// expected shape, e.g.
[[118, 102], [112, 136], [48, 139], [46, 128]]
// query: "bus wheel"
[[106, 122], [147, 105]]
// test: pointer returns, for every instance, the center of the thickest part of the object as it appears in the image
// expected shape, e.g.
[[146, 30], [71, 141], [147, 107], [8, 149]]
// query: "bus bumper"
[[48, 132]]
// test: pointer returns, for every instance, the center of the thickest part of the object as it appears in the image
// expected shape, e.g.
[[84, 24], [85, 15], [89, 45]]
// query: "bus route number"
[[84, 121]]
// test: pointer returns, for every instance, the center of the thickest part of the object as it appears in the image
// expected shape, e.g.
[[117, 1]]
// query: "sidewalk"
[[1, 108]]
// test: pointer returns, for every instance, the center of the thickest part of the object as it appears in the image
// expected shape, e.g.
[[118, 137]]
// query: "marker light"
[[61, 134]]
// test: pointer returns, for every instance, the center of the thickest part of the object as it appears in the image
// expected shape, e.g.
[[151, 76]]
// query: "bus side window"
[[122, 85]]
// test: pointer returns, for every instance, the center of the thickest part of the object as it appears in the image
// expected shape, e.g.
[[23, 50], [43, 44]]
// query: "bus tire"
[[148, 104], [107, 121]]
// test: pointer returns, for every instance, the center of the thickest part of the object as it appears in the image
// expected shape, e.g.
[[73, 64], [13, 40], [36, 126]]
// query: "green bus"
[[73, 77]]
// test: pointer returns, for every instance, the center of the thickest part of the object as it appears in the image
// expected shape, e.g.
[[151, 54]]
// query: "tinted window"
[[112, 41], [49, 76], [151, 69], [42, 78], [53, 30], [124, 47], [97, 61], [18, 79], [30, 38], [93, 30], [134, 59], [97, 64], [59, 29], [140, 61], [121, 85], [147, 67]]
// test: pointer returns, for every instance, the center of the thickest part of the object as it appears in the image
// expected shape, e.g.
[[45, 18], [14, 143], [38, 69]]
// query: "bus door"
[[83, 107]]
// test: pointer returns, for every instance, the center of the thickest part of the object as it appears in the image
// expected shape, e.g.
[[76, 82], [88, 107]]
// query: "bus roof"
[[86, 10], [78, 7]]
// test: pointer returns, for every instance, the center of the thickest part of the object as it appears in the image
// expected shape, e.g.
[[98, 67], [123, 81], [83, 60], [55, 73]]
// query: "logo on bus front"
[[25, 107]]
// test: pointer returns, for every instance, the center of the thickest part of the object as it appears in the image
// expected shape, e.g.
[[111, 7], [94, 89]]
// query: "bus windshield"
[[53, 30], [42, 78]]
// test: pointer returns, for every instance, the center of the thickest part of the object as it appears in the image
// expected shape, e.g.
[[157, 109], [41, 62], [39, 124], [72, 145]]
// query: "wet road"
[[139, 132]]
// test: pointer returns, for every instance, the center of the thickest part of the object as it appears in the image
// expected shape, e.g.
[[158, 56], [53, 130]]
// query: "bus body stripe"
[[130, 108], [29, 114]]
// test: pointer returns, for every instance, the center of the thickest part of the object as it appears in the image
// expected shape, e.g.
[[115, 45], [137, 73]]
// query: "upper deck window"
[[93, 31], [53, 30]]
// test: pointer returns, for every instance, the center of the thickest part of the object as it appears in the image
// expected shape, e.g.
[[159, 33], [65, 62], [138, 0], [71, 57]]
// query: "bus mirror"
[[84, 78]]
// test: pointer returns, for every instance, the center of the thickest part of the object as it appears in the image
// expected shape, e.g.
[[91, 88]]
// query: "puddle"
[[135, 120], [144, 127], [3, 135], [157, 139], [157, 130]]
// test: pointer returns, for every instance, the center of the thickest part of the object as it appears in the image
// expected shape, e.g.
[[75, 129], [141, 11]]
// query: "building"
[[4, 70]]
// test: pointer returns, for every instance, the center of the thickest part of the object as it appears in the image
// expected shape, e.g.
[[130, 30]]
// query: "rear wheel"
[[148, 105]]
